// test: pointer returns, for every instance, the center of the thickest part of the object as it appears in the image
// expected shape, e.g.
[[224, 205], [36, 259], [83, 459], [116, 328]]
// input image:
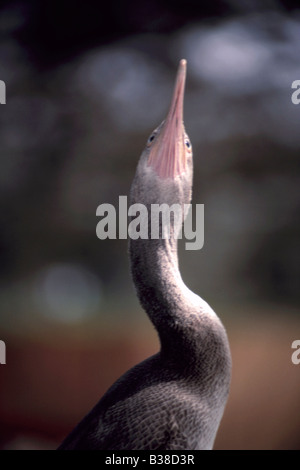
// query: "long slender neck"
[[186, 325]]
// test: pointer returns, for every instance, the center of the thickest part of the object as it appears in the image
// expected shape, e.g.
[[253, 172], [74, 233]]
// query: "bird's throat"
[[162, 293]]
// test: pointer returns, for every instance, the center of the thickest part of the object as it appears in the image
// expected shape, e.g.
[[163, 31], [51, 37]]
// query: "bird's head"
[[165, 170]]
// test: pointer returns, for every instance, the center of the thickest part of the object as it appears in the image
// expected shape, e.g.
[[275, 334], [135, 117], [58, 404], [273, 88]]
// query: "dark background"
[[86, 84]]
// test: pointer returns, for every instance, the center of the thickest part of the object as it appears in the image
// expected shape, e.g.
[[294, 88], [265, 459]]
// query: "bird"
[[175, 399]]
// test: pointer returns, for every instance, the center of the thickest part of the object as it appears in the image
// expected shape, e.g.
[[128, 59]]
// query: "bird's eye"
[[151, 138], [187, 143]]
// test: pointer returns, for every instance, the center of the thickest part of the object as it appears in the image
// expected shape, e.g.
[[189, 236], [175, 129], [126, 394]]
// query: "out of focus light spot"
[[248, 55], [244, 69], [67, 292], [227, 56], [125, 82]]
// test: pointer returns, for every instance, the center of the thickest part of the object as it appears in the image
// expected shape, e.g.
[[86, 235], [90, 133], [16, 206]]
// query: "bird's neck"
[[186, 325]]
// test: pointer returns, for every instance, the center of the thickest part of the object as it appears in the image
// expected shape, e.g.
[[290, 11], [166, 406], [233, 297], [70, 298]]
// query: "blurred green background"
[[85, 87]]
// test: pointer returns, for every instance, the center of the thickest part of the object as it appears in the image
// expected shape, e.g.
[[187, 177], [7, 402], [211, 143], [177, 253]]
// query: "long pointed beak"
[[168, 152]]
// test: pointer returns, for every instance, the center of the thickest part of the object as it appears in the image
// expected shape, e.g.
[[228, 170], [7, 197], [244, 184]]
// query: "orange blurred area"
[[263, 410], [53, 379]]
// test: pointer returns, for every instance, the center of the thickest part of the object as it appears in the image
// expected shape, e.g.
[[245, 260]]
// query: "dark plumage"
[[175, 399]]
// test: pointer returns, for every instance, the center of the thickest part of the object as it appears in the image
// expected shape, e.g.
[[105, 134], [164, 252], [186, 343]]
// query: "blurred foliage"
[[72, 131]]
